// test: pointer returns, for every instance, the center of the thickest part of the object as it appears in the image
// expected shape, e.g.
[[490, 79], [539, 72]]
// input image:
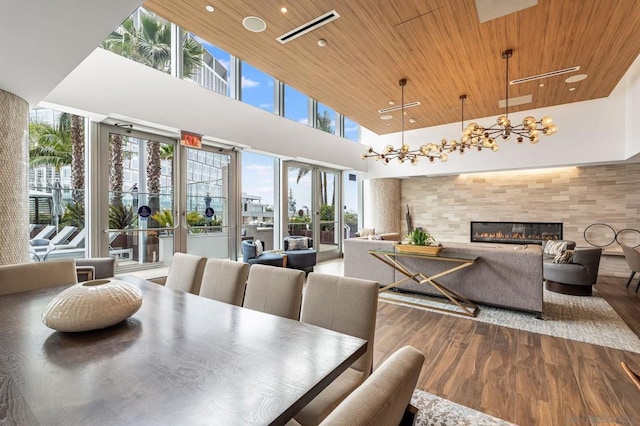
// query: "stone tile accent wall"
[[578, 197], [14, 194]]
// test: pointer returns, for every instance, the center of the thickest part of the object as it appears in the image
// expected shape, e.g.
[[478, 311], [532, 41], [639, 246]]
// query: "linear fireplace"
[[515, 232]]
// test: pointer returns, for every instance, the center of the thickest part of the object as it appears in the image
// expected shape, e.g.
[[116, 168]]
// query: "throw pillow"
[[375, 237], [554, 248], [298, 243], [365, 232], [259, 247], [564, 257]]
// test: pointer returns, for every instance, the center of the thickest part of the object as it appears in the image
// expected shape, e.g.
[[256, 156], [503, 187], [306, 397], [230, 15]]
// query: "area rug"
[[436, 411], [584, 319]]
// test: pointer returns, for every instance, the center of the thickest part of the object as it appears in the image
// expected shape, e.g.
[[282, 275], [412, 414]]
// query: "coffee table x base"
[[464, 306]]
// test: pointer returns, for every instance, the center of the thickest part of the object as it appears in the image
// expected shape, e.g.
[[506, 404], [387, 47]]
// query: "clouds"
[[259, 170], [247, 83]]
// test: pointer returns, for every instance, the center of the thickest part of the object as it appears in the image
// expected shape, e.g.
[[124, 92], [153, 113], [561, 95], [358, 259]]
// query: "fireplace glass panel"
[[515, 232]]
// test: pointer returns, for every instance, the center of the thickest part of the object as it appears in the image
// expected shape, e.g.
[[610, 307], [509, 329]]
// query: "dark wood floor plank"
[[525, 378], [531, 380], [599, 397]]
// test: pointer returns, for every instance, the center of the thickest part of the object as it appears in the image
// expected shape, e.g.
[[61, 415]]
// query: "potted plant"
[[420, 241]]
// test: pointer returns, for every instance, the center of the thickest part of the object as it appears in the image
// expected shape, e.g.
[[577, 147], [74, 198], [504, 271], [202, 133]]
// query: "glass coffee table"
[[460, 305]]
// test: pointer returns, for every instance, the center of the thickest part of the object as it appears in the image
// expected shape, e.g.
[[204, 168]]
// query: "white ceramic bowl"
[[92, 305]]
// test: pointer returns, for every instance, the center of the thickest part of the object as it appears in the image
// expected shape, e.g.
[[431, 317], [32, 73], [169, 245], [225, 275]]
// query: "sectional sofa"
[[504, 275]]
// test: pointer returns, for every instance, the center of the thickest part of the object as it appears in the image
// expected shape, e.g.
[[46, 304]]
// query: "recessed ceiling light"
[[576, 78], [209, 8], [322, 42], [391, 103], [412, 120], [386, 117], [572, 89], [254, 24], [541, 84], [284, 10], [388, 124]]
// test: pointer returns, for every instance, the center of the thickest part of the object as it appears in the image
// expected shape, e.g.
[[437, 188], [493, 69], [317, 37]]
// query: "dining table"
[[181, 359]]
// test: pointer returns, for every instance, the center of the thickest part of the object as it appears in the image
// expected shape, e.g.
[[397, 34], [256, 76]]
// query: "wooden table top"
[[181, 359]]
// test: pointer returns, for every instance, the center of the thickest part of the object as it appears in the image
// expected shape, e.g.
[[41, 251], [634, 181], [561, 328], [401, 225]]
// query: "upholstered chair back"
[[34, 276], [346, 305], [224, 280], [632, 256], [588, 257], [185, 272], [276, 291], [103, 267], [383, 398]]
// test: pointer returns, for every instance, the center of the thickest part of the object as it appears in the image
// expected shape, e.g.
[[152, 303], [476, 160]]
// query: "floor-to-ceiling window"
[[259, 194], [56, 185]]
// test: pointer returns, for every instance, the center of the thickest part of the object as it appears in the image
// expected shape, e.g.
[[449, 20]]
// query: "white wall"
[[108, 85], [632, 85]]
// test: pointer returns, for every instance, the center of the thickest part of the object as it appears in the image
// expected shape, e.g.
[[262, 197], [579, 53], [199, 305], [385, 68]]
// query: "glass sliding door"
[[209, 218], [300, 210], [313, 207], [141, 199]]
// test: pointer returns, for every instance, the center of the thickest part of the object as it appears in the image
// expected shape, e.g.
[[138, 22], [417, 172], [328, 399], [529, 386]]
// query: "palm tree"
[[154, 171], [77, 157], [49, 146], [116, 168], [150, 44]]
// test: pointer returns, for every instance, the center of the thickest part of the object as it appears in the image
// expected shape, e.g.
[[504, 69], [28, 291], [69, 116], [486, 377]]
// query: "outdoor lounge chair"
[[63, 235], [45, 232]]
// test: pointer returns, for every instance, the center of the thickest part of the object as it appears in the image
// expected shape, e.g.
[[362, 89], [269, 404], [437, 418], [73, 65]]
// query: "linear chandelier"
[[403, 153], [474, 136], [477, 136]]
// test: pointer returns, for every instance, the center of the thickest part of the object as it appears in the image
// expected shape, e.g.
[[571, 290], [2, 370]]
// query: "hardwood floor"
[[525, 378]]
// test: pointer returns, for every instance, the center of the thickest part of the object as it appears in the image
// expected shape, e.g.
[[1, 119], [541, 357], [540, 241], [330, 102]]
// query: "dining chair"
[[103, 267], [185, 272], [224, 280], [34, 276], [349, 306], [276, 291], [632, 256], [384, 397]]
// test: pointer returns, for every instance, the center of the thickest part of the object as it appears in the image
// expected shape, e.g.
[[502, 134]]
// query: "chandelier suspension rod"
[[506, 55], [462, 98], [403, 82]]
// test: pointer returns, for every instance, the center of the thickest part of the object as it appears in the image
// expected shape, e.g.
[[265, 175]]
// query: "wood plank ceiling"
[[438, 45]]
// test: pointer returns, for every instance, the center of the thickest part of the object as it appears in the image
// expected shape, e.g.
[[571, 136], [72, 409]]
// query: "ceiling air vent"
[[545, 75], [308, 27], [397, 107]]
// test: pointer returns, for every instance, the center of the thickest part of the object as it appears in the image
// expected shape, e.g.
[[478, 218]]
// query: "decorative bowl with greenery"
[[420, 241], [420, 237]]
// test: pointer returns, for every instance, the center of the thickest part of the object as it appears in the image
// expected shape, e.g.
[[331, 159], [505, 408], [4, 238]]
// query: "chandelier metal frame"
[[474, 136]]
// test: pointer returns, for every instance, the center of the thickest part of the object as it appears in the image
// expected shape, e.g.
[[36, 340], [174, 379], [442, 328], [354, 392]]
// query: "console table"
[[392, 258]]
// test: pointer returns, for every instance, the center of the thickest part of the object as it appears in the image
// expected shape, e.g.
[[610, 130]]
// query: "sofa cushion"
[[365, 232], [555, 248], [298, 243], [259, 247], [564, 257]]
